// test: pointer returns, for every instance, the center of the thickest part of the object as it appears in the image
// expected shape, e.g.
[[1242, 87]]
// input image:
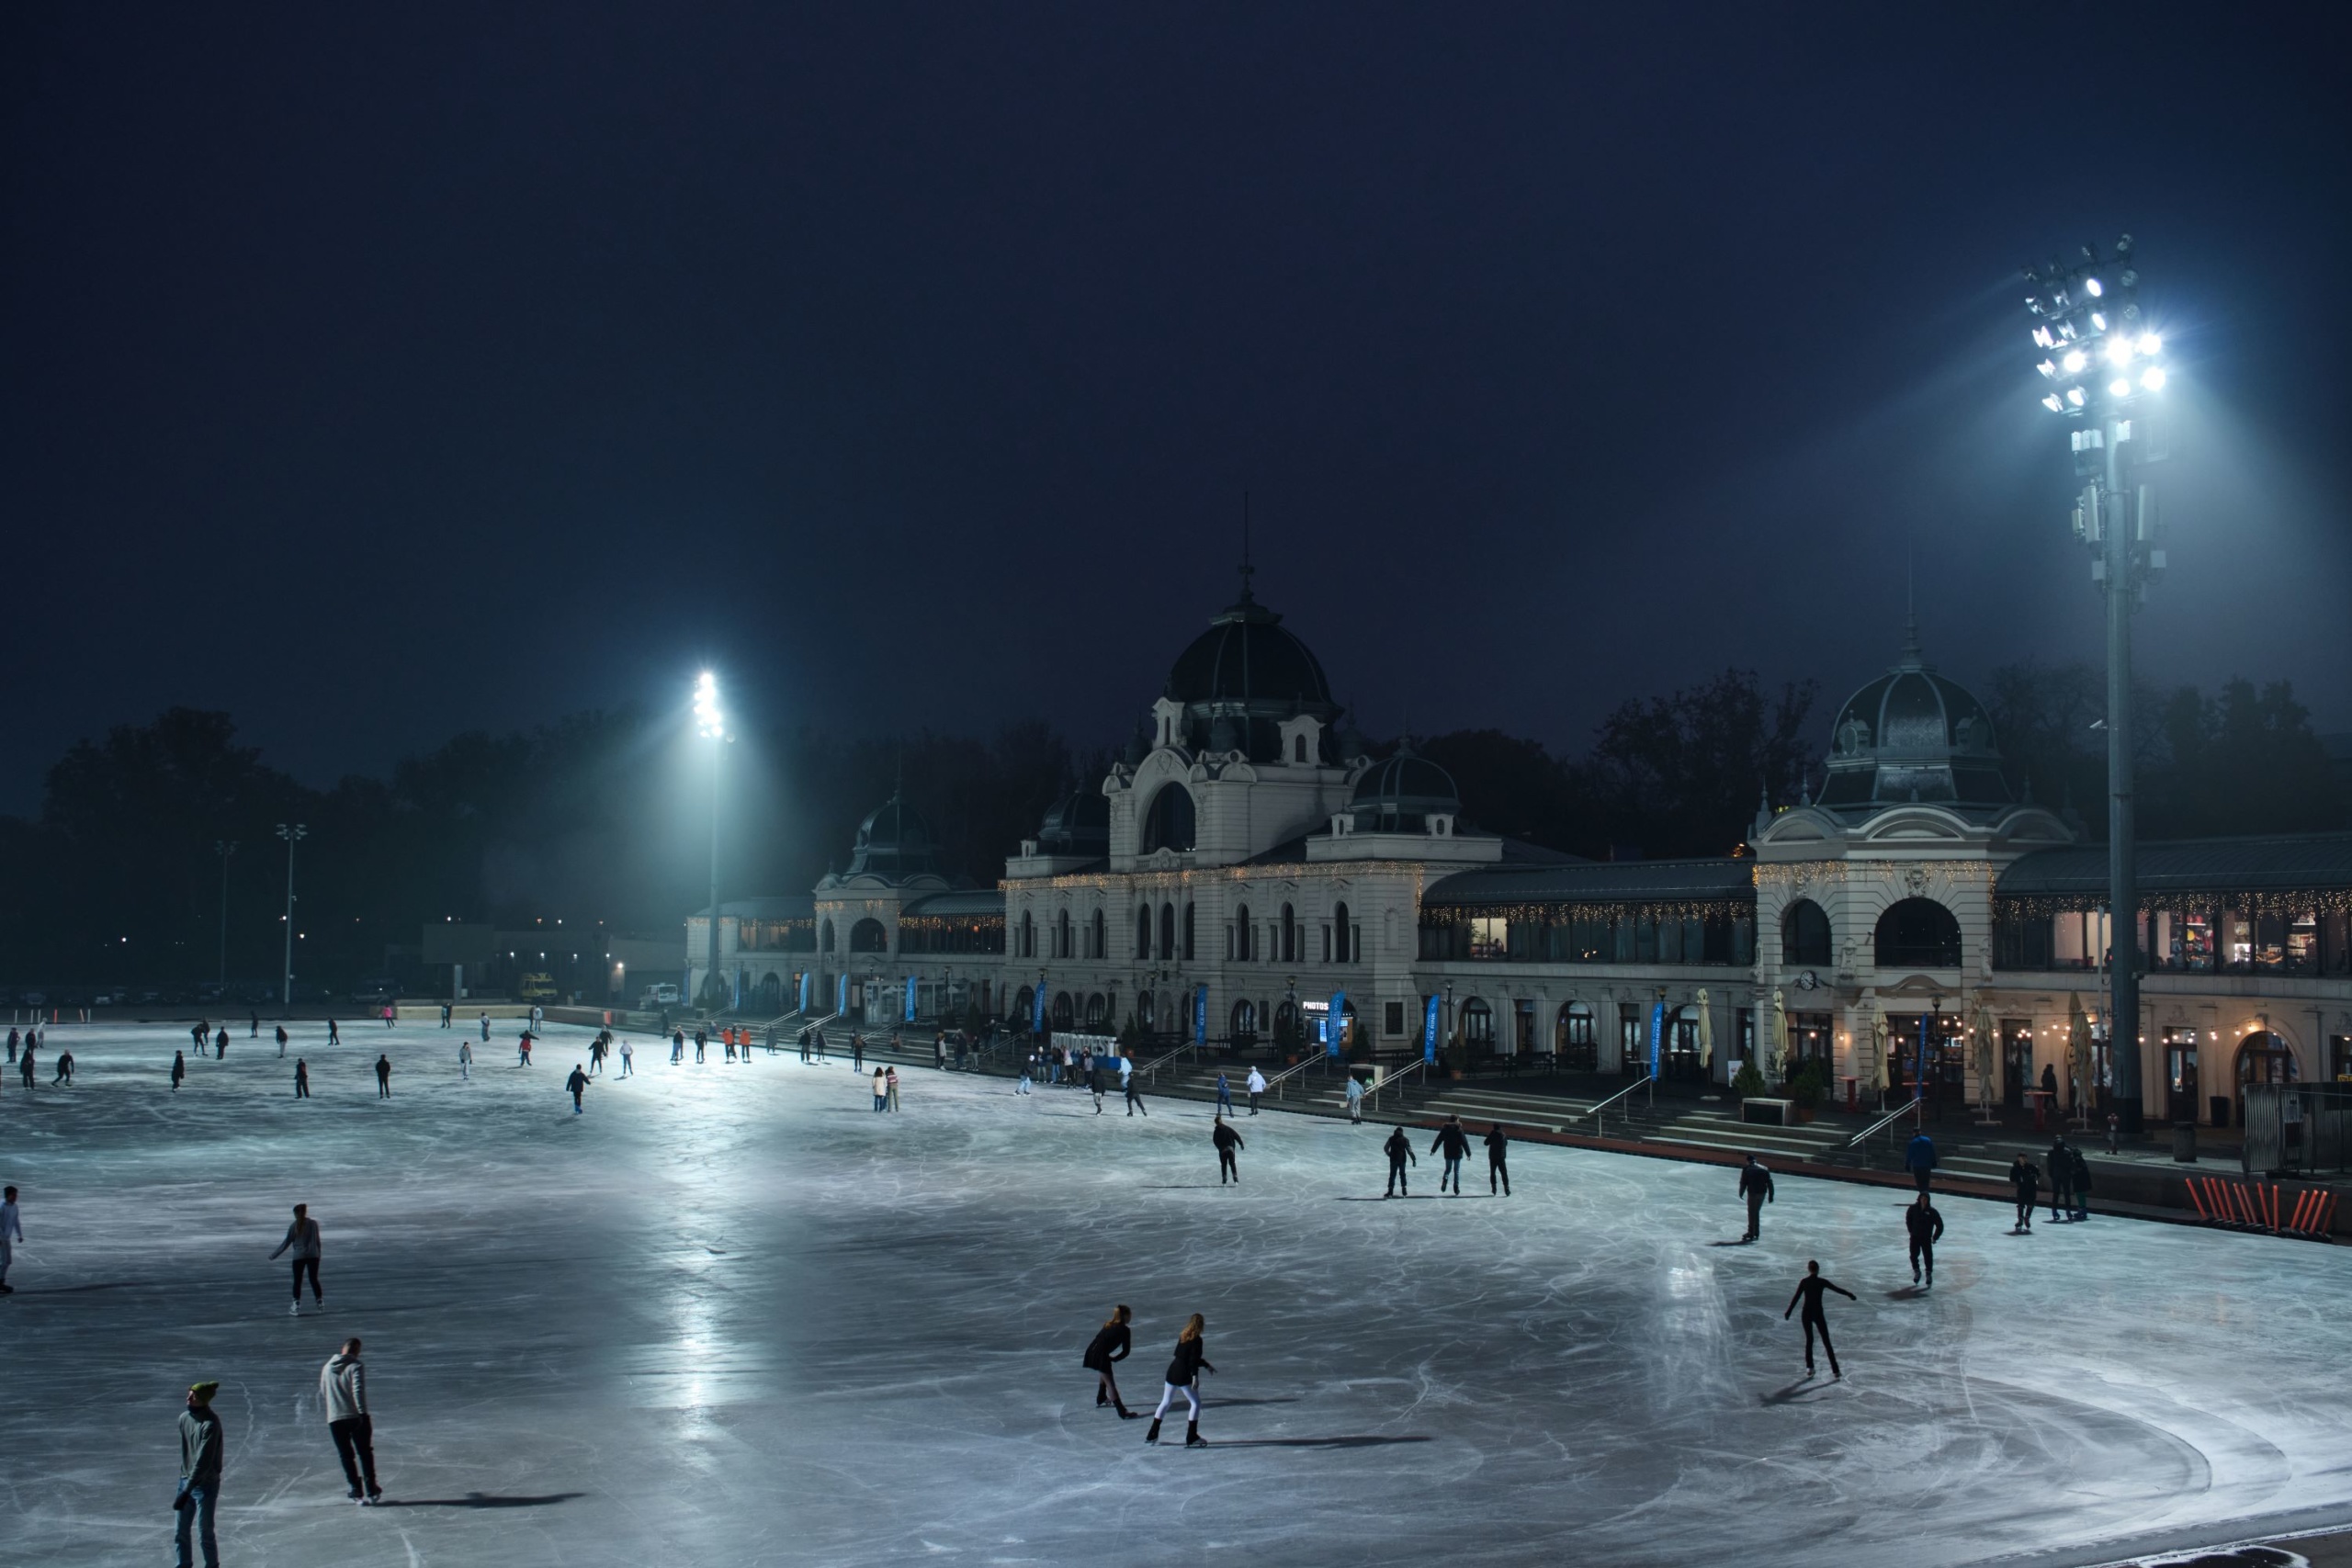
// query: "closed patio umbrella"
[[1983, 1045], [1706, 1032], [1779, 1036], [2078, 1050], [1873, 1073]]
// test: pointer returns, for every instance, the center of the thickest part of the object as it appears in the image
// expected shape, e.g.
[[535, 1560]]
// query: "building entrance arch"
[[1245, 1024], [2263, 1057]]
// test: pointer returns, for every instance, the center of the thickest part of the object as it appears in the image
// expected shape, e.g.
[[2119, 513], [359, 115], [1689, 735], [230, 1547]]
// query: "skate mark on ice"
[[482, 1500]]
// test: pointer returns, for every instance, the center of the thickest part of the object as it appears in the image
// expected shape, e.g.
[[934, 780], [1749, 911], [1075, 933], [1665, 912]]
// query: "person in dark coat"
[[1400, 1149], [179, 1068], [2062, 1177], [1228, 1141], [1756, 1186], [383, 1078], [1919, 1159], [1498, 1143], [301, 1078], [202, 1447], [578, 1084], [1183, 1377], [1134, 1091], [2026, 1182], [2080, 1169], [1926, 1227], [1454, 1143], [1809, 1291], [1112, 1344]]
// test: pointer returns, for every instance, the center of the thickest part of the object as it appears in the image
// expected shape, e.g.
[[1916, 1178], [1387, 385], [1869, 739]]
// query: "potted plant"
[[1747, 1083], [1805, 1089]]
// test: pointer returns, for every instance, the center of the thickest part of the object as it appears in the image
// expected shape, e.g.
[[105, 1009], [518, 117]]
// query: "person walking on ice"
[[1454, 1144], [334, 1036], [1498, 1143], [1400, 1149], [303, 1239], [1919, 1158], [2061, 1178], [12, 1234], [1926, 1227], [1756, 1186], [179, 1069], [2026, 1182], [1809, 1290], [301, 1078], [281, 1042], [1257, 1086], [1355, 1099], [465, 1059], [383, 1077], [629, 1062], [1134, 1095], [485, 1028], [578, 1084], [342, 1391], [1183, 1377], [1111, 1345], [201, 1448], [1226, 1141], [1224, 1097]]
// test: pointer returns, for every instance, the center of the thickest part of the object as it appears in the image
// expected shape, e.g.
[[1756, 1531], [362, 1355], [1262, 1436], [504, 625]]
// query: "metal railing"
[[1278, 1086], [1149, 1071], [1908, 1108], [1597, 1112], [1395, 1080]]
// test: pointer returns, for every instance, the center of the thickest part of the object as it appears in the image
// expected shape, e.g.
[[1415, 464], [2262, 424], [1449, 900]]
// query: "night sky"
[[375, 373]]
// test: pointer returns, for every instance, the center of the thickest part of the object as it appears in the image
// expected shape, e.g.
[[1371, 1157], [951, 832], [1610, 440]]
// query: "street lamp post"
[[711, 725], [292, 836], [224, 848], [2099, 356]]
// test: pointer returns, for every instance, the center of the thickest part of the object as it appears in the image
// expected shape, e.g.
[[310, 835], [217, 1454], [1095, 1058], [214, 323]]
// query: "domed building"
[[1912, 735]]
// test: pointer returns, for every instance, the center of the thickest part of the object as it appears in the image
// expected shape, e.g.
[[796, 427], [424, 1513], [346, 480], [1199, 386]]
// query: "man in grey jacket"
[[199, 1494], [343, 1389], [303, 1239]]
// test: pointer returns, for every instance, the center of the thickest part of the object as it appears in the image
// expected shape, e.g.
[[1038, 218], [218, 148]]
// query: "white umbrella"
[[2078, 1049], [1706, 1033], [1985, 1057], [1874, 1074], [1779, 1036]]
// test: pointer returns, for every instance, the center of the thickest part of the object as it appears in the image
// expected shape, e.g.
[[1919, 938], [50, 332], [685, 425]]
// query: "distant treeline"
[[604, 818]]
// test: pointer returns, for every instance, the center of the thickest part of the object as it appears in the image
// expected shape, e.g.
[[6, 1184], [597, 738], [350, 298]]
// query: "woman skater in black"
[[1183, 1377], [1809, 1290], [1112, 1343]]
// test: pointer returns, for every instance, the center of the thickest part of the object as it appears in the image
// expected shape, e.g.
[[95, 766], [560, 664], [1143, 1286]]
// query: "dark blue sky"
[[377, 375]]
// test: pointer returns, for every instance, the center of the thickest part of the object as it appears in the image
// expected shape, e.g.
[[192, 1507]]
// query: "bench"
[[1771, 1112]]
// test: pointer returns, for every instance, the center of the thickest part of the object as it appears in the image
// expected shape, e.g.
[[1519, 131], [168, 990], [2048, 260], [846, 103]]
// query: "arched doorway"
[[1573, 1040], [771, 993], [1095, 1010], [1065, 1012], [1025, 1008], [1478, 1030], [2263, 1057], [869, 936], [1245, 1024]]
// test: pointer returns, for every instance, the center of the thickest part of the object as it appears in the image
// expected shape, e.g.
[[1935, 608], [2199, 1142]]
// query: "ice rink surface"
[[731, 1317]]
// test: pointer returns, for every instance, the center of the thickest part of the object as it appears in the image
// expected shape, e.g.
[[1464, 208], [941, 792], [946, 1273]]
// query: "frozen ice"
[[732, 1316]]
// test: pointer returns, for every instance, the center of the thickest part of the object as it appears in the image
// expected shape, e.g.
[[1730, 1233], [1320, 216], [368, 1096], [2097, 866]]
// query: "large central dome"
[[1242, 677], [1912, 735]]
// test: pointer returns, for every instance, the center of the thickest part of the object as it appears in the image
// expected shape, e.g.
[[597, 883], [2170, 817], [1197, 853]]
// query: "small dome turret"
[[1401, 793], [893, 843], [1913, 735]]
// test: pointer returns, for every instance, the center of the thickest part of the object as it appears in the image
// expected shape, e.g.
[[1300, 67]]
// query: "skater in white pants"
[[1183, 1377], [465, 1059]]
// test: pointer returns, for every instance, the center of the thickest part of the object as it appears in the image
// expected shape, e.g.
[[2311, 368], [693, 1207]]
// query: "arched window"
[[869, 936], [1573, 1040], [1918, 933], [1101, 946], [1027, 947], [1061, 934], [1298, 748], [1188, 930], [1024, 1007], [1290, 936], [1168, 825], [1240, 934], [1343, 945], [1064, 1018], [1245, 1024], [825, 937], [1477, 1028], [1146, 1014], [1096, 1007], [1143, 931], [1167, 931], [1804, 935]]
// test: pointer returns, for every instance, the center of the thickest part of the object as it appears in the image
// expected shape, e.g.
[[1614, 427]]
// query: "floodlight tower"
[[293, 835], [710, 723], [2098, 357]]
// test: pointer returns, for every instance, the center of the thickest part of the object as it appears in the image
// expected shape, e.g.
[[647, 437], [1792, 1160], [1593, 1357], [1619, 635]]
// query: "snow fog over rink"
[[730, 1317]]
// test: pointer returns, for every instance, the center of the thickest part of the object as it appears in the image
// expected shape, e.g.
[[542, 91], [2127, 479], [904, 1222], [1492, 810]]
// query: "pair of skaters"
[[1113, 1343]]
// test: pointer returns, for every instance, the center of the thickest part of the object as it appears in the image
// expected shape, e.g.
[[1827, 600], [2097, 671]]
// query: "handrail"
[[1644, 1081], [1396, 1081], [1149, 1070], [1908, 1108], [1274, 1084]]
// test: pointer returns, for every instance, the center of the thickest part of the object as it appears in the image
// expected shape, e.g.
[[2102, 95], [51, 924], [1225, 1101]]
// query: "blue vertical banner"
[[1658, 1033], [1200, 1015], [808, 984], [911, 998], [1919, 1067], [1335, 1026], [1037, 1013], [841, 993], [1428, 1030]]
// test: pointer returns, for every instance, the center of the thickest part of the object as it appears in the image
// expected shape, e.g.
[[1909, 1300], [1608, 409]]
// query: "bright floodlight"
[[2153, 378], [2052, 404], [2151, 345], [2091, 285], [2075, 396], [709, 722], [2119, 386], [2119, 349], [2076, 360]]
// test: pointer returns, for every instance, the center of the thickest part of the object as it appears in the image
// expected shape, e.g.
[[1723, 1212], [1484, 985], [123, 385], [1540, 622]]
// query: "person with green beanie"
[[201, 1443]]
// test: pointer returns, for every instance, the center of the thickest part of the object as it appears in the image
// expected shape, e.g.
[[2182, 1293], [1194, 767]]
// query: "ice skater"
[[702, 1043], [220, 1044], [523, 1049], [856, 1051], [1134, 1095], [1028, 1071], [1183, 1377], [1111, 1345], [2026, 1182], [303, 1239], [1224, 1097], [301, 1078], [1809, 1290], [334, 1036], [1257, 1086], [881, 1092], [596, 1049], [342, 1391], [1926, 1227], [1228, 1141], [1454, 1143], [12, 1234], [677, 1046], [1498, 1143], [2081, 1187], [1355, 1099], [1400, 1149], [1756, 1186], [2061, 1178], [25, 1062], [254, 1031], [1919, 1158], [383, 1078], [578, 1084], [890, 1088], [465, 1059], [629, 1061], [202, 1446], [179, 1069], [281, 1042], [485, 1028], [64, 1070]]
